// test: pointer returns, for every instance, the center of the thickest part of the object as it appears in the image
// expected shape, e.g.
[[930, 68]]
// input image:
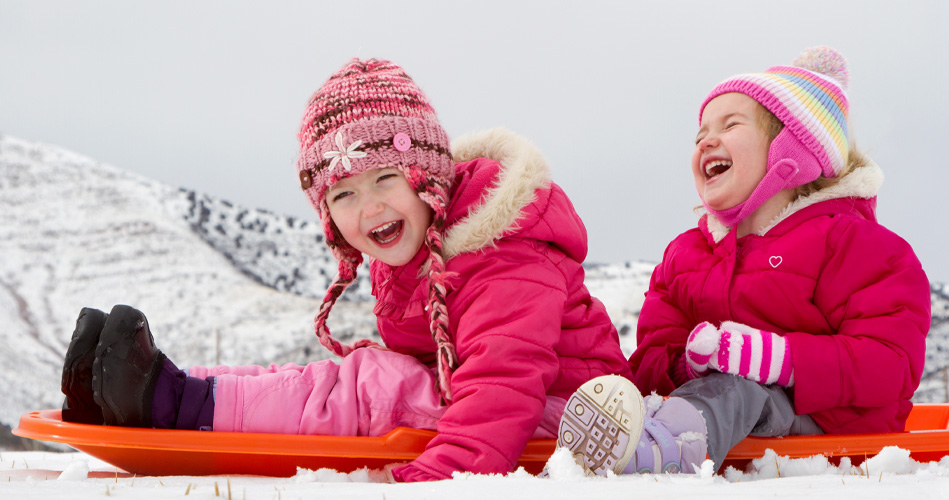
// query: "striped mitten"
[[763, 357]]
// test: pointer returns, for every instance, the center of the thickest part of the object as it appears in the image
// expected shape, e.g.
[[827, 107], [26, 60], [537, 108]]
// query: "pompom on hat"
[[809, 98], [370, 114]]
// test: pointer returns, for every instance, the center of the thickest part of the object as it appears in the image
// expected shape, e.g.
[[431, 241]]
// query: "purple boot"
[[674, 438], [609, 427]]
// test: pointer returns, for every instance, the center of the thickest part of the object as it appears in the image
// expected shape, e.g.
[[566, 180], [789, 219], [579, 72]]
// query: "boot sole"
[[602, 423]]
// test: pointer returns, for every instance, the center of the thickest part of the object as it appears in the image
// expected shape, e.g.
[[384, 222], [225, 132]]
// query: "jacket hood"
[[523, 172], [862, 183]]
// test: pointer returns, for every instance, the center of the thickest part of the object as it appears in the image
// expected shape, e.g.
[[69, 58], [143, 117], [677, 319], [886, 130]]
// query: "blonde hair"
[[771, 126]]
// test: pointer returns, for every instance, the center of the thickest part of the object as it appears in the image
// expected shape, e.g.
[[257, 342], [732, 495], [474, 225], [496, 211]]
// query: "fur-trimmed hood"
[[523, 172], [513, 287], [863, 182]]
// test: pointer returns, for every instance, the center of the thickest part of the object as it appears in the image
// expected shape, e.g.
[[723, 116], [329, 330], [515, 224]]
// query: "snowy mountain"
[[219, 283], [77, 233]]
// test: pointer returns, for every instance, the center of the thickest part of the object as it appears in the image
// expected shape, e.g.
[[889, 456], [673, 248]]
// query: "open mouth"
[[387, 233], [715, 168]]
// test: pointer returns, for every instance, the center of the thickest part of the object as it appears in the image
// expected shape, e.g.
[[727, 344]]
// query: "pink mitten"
[[763, 357], [701, 349]]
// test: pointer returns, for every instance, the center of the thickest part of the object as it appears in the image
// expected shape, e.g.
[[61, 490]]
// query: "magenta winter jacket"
[[849, 295], [523, 323]]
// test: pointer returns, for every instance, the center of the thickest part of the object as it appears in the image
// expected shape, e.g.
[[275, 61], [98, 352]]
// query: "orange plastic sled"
[[159, 452]]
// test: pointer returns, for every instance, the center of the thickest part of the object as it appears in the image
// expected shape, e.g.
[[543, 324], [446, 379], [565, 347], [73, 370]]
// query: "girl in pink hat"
[[788, 310], [475, 260]]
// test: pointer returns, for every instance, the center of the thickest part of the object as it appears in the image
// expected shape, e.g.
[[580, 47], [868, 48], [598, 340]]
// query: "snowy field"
[[892, 474]]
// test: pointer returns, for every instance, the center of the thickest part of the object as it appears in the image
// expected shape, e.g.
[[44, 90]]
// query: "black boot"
[[80, 405], [126, 369]]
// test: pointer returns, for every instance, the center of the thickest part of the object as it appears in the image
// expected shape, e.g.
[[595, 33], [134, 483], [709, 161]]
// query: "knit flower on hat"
[[344, 153]]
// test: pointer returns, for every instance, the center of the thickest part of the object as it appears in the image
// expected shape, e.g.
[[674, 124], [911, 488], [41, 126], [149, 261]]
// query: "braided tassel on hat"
[[346, 276], [435, 195]]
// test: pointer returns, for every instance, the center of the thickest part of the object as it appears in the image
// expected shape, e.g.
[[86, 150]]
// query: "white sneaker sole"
[[602, 424]]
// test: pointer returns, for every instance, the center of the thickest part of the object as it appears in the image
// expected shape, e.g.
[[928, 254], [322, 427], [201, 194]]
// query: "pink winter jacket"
[[523, 323], [849, 295]]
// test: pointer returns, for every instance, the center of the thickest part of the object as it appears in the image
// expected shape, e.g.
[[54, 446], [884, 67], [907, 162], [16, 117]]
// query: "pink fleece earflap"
[[790, 164]]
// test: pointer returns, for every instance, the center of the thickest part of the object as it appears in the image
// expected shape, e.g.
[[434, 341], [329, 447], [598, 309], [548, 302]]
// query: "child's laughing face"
[[379, 214], [731, 151]]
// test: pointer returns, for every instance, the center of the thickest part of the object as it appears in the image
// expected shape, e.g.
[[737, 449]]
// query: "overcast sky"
[[208, 95]]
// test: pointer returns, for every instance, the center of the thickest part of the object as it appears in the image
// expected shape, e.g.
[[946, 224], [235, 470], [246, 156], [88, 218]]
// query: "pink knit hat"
[[809, 98], [369, 115]]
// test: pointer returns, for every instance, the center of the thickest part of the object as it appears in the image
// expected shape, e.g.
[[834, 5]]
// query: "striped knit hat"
[[809, 98], [369, 115]]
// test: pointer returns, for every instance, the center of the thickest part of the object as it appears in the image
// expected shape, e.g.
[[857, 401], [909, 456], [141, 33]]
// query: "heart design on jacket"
[[775, 260]]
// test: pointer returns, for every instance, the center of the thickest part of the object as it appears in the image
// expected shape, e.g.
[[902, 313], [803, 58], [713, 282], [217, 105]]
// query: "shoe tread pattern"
[[602, 427]]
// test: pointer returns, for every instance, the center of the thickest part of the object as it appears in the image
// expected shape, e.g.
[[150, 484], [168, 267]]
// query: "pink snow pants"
[[369, 393]]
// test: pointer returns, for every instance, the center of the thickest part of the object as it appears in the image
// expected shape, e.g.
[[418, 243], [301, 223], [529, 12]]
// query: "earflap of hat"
[[433, 190], [794, 163], [790, 164]]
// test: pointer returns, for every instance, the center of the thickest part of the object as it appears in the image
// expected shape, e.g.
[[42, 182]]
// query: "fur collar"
[[523, 171], [863, 182]]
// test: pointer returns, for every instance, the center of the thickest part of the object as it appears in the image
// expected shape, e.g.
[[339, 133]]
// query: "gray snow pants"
[[735, 407]]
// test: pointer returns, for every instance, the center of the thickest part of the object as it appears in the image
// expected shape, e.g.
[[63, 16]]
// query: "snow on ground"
[[892, 474]]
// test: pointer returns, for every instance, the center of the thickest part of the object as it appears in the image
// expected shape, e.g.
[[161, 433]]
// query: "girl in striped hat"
[[789, 309], [475, 261]]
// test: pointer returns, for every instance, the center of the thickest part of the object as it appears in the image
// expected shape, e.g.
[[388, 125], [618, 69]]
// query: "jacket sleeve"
[[658, 363], [876, 299], [505, 322]]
